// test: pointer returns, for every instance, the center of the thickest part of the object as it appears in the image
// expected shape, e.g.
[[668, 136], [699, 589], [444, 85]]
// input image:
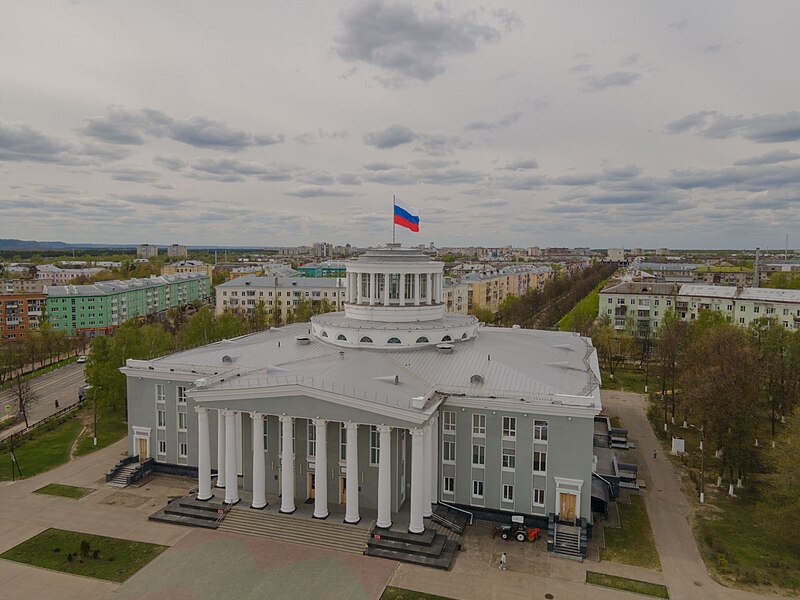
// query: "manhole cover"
[[549, 596], [698, 584]]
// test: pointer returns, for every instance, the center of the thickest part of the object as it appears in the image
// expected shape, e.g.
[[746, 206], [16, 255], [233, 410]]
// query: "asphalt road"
[[62, 385]]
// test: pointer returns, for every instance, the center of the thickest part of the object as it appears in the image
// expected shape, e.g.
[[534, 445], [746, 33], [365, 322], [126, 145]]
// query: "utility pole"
[[95, 416]]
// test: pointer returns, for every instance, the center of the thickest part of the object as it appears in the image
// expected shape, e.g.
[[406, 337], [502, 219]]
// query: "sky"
[[569, 123]]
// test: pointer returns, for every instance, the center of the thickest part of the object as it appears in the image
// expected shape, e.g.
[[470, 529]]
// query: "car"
[[82, 359], [82, 392]]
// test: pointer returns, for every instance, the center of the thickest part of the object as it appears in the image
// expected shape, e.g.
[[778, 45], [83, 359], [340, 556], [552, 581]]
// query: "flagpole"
[[394, 201]]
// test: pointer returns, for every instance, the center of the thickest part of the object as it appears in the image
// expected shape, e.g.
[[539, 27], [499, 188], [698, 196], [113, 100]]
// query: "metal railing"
[[142, 471], [466, 512], [55, 416], [119, 466]]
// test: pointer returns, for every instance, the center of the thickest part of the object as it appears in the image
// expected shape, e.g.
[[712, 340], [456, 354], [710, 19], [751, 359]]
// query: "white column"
[[373, 289], [384, 478], [220, 449], [231, 477], [321, 470], [359, 281], [259, 468], [417, 279], [203, 454], [386, 280], [239, 445], [287, 466], [351, 509], [416, 524], [426, 502], [429, 291], [440, 276], [402, 289], [435, 459]]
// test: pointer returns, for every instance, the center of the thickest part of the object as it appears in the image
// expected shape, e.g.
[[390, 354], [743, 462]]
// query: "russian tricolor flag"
[[405, 216]]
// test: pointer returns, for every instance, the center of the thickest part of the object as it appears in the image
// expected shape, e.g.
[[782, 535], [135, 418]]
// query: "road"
[[62, 385]]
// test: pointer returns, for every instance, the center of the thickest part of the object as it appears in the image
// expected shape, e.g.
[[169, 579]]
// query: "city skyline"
[[582, 125]]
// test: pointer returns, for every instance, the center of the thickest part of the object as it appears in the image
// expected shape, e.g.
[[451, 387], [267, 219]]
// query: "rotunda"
[[395, 299]]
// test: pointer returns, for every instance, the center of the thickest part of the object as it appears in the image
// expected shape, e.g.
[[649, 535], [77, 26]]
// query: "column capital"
[[200, 410], [383, 428], [416, 431], [350, 425], [285, 419], [228, 413], [257, 415], [318, 422]]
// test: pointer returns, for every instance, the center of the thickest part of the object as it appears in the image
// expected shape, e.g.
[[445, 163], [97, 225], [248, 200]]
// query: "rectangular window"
[[162, 418], [756, 309], [182, 421], [342, 442], [312, 439], [449, 485], [162, 447], [538, 496], [161, 396], [741, 320], [540, 431], [478, 455], [478, 424], [477, 489], [539, 461], [509, 427], [508, 493], [449, 451], [449, 421], [374, 446], [509, 458], [183, 449]]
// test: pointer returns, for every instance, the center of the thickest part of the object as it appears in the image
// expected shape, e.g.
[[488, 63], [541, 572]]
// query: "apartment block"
[[187, 266], [284, 293], [146, 251], [20, 313], [177, 251]]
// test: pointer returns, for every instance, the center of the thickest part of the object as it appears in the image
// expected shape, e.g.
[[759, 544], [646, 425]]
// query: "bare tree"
[[24, 395]]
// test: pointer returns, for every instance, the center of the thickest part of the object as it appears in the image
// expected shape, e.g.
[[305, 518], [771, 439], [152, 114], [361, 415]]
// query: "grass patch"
[[588, 306], [46, 447], [629, 585], [84, 554], [633, 543], [627, 379], [393, 593], [111, 427], [67, 491]]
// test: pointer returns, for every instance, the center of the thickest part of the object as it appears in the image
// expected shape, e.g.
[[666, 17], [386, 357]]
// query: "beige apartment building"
[[187, 266], [489, 290]]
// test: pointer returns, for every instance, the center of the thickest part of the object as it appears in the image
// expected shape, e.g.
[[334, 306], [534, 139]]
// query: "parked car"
[[82, 392], [82, 359]]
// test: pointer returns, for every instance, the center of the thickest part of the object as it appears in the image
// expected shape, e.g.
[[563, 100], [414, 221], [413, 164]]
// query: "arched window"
[[393, 340], [447, 338], [341, 337], [422, 340], [464, 335], [324, 333], [366, 340]]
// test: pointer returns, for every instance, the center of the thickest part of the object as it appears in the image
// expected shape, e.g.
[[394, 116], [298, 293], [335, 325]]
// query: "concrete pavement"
[[62, 385]]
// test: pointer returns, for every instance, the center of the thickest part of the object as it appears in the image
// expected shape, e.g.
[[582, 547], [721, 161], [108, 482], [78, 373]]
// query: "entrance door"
[[311, 482], [343, 489], [567, 507], [142, 448], [402, 468]]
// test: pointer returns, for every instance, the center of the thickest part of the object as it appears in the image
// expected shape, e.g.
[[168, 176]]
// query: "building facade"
[[177, 251], [187, 266], [20, 313], [391, 405], [146, 251], [96, 309]]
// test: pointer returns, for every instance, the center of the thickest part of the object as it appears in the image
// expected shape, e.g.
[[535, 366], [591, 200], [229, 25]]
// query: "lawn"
[[67, 491], [590, 305], [393, 593], [84, 554], [629, 585], [633, 543], [627, 379], [111, 426], [45, 448]]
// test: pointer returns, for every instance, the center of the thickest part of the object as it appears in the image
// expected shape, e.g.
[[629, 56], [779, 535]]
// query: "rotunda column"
[[373, 288], [429, 290], [231, 476], [359, 287], [417, 279], [351, 508], [387, 281], [402, 289], [259, 468]]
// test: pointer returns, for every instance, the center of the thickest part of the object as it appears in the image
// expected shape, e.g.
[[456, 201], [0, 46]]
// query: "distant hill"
[[28, 245]]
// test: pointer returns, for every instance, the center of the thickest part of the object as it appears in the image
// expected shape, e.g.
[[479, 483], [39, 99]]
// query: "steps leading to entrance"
[[190, 511], [430, 548], [319, 533], [121, 477], [449, 518], [567, 542]]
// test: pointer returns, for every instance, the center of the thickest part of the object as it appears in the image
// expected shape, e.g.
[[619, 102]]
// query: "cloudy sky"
[[280, 123]]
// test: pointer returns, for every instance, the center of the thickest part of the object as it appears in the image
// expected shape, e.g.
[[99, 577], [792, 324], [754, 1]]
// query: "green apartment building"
[[95, 309]]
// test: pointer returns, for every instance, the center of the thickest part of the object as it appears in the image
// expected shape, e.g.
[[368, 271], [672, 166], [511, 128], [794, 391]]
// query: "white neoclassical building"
[[390, 406]]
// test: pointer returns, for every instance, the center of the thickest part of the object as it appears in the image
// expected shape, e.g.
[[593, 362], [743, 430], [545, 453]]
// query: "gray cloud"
[[679, 24], [348, 179], [133, 174], [316, 178], [770, 128], [23, 143], [580, 68], [104, 151], [231, 170], [440, 145], [410, 43], [311, 137], [154, 200], [379, 166], [598, 83], [490, 203], [631, 59], [390, 137], [501, 123], [316, 191], [131, 127], [769, 158], [522, 165], [173, 163]]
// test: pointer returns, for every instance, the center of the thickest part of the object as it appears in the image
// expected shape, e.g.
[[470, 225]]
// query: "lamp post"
[[95, 416], [702, 463]]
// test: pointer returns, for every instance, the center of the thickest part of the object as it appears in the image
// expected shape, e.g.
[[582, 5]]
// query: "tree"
[[484, 315], [24, 395], [613, 347], [259, 317], [509, 310], [227, 326], [786, 496], [672, 337], [199, 329]]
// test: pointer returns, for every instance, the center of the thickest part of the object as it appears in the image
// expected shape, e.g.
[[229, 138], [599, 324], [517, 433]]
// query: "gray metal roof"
[[284, 282], [102, 288]]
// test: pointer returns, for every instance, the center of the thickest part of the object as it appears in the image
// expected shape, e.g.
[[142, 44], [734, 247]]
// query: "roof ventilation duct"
[[476, 379], [227, 359], [303, 340], [444, 348]]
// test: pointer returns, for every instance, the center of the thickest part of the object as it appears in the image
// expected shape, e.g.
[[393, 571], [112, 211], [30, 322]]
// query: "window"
[[742, 308], [374, 446], [508, 493], [540, 431], [161, 396], [162, 418], [539, 461], [448, 451], [341, 337], [769, 310], [366, 340], [449, 421], [183, 449], [342, 442], [182, 421], [756, 309], [478, 424], [509, 458], [393, 340], [509, 427], [312, 439], [477, 489], [610, 300], [741, 320], [162, 447], [538, 496], [181, 394], [449, 485], [478, 455], [422, 340], [447, 338]]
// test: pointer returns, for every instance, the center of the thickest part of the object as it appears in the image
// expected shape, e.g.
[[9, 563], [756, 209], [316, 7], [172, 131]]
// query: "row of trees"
[[36, 348]]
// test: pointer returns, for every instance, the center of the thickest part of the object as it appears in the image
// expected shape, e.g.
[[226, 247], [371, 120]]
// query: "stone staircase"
[[567, 542], [192, 512], [430, 548], [451, 519], [120, 478], [319, 533]]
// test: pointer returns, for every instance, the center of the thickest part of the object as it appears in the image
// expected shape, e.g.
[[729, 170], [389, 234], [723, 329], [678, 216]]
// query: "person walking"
[[654, 454], [503, 560]]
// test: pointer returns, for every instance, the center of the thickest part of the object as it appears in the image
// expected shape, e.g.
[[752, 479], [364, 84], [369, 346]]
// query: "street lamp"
[[95, 416], [702, 463]]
